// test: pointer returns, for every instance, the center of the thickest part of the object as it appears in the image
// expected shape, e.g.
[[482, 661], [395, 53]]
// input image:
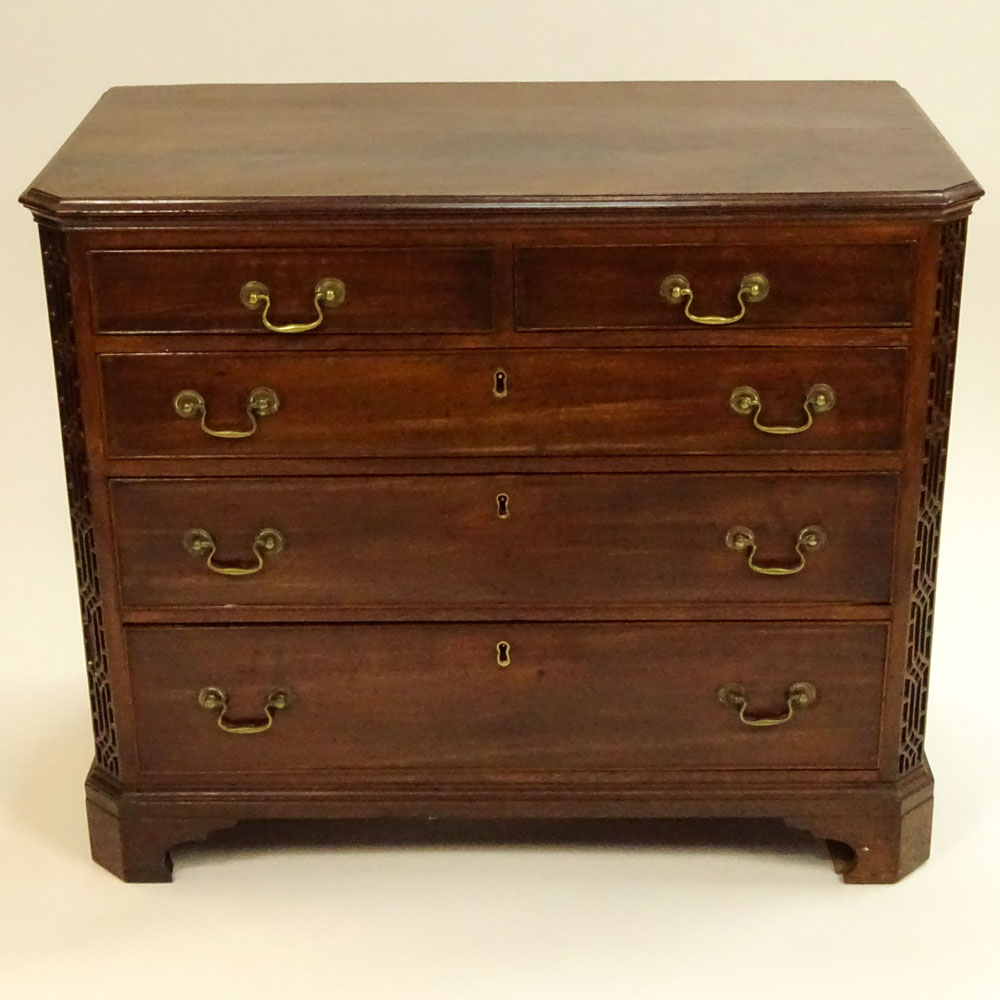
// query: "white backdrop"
[[701, 919]]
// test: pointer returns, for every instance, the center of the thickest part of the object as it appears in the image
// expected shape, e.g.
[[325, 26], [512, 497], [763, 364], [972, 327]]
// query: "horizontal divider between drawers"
[[606, 339], [830, 463], [593, 614]]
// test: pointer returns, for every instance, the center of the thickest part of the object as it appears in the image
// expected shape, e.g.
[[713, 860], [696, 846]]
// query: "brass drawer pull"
[[328, 293], [753, 288], [799, 695], [819, 399], [809, 538], [200, 544], [262, 403], [214, 698]]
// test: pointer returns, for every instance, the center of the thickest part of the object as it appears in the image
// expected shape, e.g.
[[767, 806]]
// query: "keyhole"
[[503, 506], [500, 383], [503, 654]]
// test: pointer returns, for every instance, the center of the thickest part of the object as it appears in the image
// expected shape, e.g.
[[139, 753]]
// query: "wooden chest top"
[[823, 146]]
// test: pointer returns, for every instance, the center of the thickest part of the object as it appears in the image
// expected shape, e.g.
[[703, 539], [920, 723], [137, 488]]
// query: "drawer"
[[464, 403], [391, 545], [592, 287], [438, 290], [573, 696]]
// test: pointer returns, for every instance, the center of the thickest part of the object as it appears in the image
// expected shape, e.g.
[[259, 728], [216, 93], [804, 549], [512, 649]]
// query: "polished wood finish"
[[388, 290], [214, 149], [573, 697], [522, 229], [555, 402], [583, 287], [385, 543]]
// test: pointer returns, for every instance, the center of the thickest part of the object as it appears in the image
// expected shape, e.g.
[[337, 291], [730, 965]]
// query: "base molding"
[[886, 826]]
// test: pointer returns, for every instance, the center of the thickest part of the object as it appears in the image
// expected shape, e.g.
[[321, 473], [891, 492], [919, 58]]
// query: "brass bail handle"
[[214, 698], [262, 403], [819, 399], [199, 543], [328, 293], [676, 288], [809, 539], [799, 695]]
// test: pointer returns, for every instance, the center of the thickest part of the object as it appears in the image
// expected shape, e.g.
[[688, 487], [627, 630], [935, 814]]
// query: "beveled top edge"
[[931, 205], [262, 150]]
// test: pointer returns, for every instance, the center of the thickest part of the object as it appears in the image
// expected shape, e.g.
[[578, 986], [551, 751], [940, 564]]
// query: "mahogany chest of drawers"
[[506, 450]]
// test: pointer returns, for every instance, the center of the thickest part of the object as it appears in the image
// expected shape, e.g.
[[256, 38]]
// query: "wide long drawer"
[[584, 696], [389, 543], [464, 403]]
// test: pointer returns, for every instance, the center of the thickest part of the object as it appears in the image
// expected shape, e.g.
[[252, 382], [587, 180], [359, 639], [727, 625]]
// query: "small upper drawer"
[[399, 290], [593, 287]]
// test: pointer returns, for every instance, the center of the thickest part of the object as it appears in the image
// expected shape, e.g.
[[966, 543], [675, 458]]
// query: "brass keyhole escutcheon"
[[503, 506], [500, 383], [503, 654]]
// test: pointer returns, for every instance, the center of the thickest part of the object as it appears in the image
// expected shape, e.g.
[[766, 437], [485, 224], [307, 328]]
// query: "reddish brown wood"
[[393, 541], [572, 698], [134, 848], [887, 839], [103, 712], [884, 825], [940, 386], [846, 145], [583, 287], [459, 216], [388, 290], [438, 403]]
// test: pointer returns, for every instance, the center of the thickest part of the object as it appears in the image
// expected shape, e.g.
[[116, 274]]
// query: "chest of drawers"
[[506, 450]]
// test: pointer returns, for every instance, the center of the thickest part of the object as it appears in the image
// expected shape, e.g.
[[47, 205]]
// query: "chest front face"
[[506, 484]]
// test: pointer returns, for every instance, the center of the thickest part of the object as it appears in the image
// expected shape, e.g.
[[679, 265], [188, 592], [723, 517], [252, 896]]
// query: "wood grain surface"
[[817, 144], [586, 696], [601, 541], [557, 402]]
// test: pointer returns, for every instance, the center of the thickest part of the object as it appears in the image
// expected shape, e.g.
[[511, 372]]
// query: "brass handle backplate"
[[262, 403], [676, 288], [200, 544], [328, 293], [214, 698], [819, 399], [798, 695], [810, 538]]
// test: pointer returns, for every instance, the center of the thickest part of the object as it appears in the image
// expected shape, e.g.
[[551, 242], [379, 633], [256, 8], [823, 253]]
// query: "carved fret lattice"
[[942, 378], [75, 454]]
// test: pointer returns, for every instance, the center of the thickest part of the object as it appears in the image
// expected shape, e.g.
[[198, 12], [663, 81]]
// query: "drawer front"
[[590, 287], [436, 290], [392, 543], [588, 696], [464, 403]]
